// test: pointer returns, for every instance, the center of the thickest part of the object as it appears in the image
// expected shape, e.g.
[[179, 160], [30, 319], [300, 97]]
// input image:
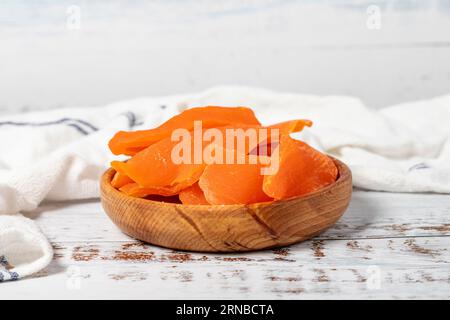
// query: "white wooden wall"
[[125, 49]]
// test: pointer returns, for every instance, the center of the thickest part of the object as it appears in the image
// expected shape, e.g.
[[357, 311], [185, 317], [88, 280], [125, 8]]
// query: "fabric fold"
[[24, 250]]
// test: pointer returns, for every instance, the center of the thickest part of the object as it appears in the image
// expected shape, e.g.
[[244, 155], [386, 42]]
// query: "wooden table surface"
[[385, 246]]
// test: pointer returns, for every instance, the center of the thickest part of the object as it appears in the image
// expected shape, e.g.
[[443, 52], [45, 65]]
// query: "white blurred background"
[[86, 53]]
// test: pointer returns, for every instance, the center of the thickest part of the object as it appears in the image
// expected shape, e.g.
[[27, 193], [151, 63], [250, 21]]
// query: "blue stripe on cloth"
[[80, 125], [5, 274], [81, 130], [132, 119]]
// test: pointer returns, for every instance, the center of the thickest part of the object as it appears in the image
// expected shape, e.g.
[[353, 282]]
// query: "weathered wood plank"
[[372, 268], [403, 237], [370, 215]]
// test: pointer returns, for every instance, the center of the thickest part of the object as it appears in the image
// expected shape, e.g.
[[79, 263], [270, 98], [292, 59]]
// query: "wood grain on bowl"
[[228, 228]]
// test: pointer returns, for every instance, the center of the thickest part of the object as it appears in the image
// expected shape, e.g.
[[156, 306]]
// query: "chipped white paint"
[[385, 246]]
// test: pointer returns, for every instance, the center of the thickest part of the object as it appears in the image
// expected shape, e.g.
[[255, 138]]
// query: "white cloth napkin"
[[60, 154]]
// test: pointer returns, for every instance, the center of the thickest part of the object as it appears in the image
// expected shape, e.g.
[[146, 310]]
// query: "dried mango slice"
[[193, 195], [154, 169], [129, 143], [291, 126], [302, 170], [233, 183], [134, 190], [253, 138], [265, 146], [119, 180]]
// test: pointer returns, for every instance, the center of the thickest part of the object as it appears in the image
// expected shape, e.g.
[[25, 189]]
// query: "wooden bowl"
[[228, 228]]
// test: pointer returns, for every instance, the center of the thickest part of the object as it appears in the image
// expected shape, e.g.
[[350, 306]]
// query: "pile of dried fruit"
[[151, 172]]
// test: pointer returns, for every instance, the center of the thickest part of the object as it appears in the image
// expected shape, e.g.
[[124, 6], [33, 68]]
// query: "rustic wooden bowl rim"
[[228, 228], [343, 173]]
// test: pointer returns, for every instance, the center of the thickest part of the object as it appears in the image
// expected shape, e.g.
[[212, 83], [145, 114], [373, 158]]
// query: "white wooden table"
[[386, 246]]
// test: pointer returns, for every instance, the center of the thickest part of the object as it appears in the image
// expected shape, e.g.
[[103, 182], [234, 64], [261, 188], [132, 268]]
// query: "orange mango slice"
[[135, 190], [233, 183], [291, 126], [154, 170], [129, 143], [258, 135], [302, 170], [151, 172], [119, 180], [193, 195], [265, 146]]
